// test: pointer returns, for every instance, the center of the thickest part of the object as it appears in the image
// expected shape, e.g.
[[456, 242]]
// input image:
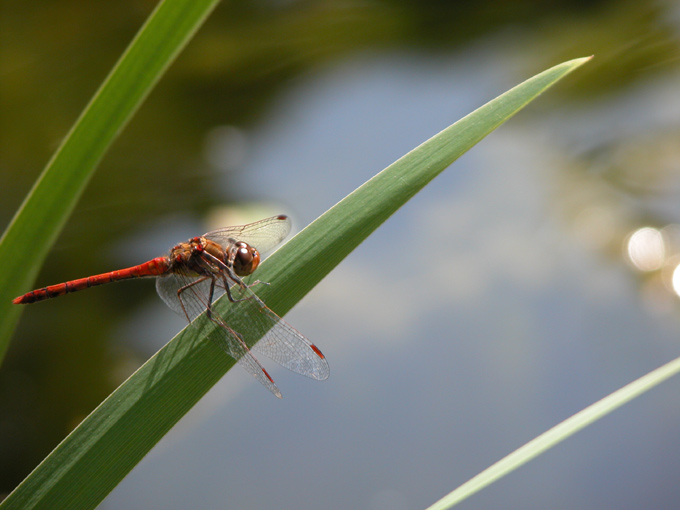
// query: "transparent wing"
[[194, 298], [192, 301], [279, 340], [248, 319], [264, 235]]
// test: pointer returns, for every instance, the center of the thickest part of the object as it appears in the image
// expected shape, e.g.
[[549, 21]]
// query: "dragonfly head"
[[246, 259]]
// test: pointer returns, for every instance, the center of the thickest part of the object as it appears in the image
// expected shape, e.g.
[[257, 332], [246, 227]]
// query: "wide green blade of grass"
[[116, 436], [35, 227], [557, 434]]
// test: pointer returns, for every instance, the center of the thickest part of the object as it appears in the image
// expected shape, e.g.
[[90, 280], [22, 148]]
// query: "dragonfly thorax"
[[203, 256], [198, 256]]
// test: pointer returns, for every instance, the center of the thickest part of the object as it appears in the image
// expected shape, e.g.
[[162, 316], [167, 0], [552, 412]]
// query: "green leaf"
[[117, 435], [35, 227], [558, 433]]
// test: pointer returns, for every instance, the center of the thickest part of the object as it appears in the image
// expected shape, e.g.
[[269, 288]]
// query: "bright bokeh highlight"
[[675, 280], [647, 249]]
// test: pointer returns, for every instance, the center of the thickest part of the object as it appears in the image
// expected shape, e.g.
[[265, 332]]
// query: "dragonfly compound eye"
[[246, 259]]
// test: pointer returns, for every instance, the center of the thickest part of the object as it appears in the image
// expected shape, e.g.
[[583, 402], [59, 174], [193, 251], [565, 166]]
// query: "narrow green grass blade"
[[35, 227], [331, 237], [117, 435], [558, 433]]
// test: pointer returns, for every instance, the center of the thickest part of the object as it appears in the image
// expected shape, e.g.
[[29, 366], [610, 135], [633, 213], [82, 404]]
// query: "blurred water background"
[[532, 278]]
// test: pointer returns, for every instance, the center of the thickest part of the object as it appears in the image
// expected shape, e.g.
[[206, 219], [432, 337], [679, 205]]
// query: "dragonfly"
[[197, 272]]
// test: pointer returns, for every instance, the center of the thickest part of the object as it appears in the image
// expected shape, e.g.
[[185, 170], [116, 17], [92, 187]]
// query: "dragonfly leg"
[[222, 268], [186, 287], [208, 310], [226, 268], [227, 287], [240, 282]]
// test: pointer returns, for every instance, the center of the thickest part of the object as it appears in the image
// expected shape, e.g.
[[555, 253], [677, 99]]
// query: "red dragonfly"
[[204, 268]]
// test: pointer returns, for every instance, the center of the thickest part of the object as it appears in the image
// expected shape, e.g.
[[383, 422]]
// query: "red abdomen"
[[154, 267]]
